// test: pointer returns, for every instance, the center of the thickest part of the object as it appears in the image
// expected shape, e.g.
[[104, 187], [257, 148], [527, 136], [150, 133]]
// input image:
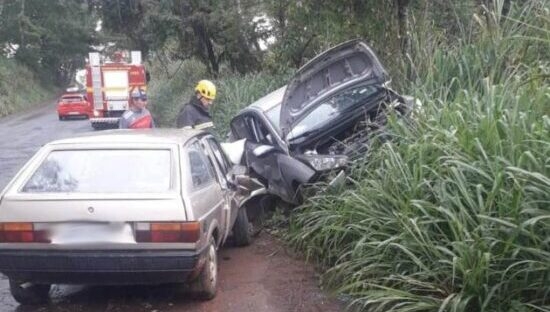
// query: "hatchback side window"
[[201, 173], [220, 156]]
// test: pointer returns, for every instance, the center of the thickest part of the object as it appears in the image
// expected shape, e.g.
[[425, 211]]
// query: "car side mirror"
[[262, 150], [236, 175]]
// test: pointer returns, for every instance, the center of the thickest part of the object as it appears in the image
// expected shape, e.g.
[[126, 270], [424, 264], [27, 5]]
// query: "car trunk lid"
[[153, 207], [337, 68]]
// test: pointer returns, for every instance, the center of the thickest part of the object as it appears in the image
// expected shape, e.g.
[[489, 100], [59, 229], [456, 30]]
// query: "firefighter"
[[137, 116], [195, 114]]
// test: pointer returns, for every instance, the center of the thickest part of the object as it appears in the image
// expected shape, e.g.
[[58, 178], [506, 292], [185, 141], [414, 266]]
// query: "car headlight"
[[96, 113], [325, 162]]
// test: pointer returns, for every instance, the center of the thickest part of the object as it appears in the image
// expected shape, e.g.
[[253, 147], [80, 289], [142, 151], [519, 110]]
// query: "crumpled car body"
[[320, 121]]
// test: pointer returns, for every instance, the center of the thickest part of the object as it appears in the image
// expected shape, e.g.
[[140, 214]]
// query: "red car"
[[73, 104]]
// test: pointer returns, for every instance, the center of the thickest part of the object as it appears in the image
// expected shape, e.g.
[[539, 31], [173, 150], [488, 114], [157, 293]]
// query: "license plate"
[[88, 233], [74, 113]]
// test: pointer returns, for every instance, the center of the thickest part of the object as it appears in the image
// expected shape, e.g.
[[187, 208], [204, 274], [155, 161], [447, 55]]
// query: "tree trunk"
[[404, 28], [205, 45]]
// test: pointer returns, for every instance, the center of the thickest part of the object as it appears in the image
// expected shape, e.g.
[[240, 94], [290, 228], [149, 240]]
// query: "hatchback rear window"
[[102, 171], [71, 99]]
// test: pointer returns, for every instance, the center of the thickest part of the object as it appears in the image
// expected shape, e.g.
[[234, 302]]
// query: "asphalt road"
[[262, 277]]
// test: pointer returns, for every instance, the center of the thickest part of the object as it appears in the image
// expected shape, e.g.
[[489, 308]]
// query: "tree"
[[52, 37], [212, 31]]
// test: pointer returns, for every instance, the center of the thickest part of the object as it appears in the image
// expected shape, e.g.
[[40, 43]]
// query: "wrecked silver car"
[[320, 121], [121, 207]]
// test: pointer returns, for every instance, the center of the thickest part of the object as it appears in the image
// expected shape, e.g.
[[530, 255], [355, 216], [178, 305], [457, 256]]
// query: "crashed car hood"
[[336, 68]]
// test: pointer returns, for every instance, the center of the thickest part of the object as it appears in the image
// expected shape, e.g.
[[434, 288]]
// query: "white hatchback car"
[[121, 207]]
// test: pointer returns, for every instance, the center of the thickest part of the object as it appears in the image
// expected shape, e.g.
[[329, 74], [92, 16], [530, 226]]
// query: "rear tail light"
[[21, 232], [168, 232]]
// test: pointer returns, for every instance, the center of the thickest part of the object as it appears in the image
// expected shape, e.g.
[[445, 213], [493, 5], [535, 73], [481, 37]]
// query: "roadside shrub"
[[20, 89], [453, 214]]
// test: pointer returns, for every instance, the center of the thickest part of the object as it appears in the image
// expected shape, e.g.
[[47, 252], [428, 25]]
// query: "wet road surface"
[[260, 277]]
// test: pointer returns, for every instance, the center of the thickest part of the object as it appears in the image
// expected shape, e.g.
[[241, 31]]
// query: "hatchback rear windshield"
[[102, 171], [70, 99]]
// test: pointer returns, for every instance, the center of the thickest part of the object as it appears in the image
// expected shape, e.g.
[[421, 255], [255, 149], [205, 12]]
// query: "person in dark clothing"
[[195, 114]]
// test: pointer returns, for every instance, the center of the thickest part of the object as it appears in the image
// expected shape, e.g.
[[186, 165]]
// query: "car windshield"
[[102, 171], [332, 108], [273, 115]]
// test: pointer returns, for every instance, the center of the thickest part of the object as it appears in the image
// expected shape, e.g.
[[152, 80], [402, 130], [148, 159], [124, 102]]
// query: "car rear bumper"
[[72, 112], [100, 267], [105, 120]]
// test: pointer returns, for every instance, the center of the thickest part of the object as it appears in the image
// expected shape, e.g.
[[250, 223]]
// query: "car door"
[[207, 200], [222, 165], [266, 158]]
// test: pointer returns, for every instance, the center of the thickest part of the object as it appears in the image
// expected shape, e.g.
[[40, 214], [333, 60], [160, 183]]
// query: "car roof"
[[157, 135], [270, 100]]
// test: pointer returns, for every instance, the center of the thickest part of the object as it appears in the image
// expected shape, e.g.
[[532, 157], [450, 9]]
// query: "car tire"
[[28, 293], [205, 285], [242, 231], [61, 117]]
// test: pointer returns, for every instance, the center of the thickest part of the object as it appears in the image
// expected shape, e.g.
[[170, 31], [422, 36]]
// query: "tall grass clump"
[[20, 88], [453, 214]]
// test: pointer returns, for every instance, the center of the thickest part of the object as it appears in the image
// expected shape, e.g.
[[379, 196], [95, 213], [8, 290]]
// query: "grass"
[[454, 213], [20, 89]]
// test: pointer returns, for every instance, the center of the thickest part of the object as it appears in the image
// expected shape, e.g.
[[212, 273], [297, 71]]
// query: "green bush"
[[454, 213], [20, 89]]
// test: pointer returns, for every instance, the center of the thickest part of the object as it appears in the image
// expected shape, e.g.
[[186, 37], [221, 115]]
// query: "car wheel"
[[242, 230], [205, 285], [28, 293], [61, 117]]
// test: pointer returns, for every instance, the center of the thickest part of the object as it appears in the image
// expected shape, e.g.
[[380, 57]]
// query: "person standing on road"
[[195, 114], [137, 116]]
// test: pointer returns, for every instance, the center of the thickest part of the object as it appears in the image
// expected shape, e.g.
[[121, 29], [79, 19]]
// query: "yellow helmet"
[[207, 89]]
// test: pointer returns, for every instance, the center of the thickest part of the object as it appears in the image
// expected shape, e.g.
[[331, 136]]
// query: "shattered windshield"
[[332, 108]]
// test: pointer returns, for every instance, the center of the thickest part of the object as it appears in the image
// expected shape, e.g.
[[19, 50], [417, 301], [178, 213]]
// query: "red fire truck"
[[108, 86]]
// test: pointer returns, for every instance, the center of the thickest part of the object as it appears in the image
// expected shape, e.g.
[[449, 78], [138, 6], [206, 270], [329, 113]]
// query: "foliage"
[[453, 214], [213, 32], [50, 37], [19, 87], [173, 85]]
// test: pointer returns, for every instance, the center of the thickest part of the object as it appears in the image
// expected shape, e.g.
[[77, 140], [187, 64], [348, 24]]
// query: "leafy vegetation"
[[452, 215], [19, 87], [50, 37]]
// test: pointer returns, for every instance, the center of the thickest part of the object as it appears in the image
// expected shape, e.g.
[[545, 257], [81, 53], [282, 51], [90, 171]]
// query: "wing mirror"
[[237, 177], [262, 150]]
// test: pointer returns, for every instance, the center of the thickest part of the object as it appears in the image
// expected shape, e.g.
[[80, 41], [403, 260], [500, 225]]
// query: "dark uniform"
[[194, 115]]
